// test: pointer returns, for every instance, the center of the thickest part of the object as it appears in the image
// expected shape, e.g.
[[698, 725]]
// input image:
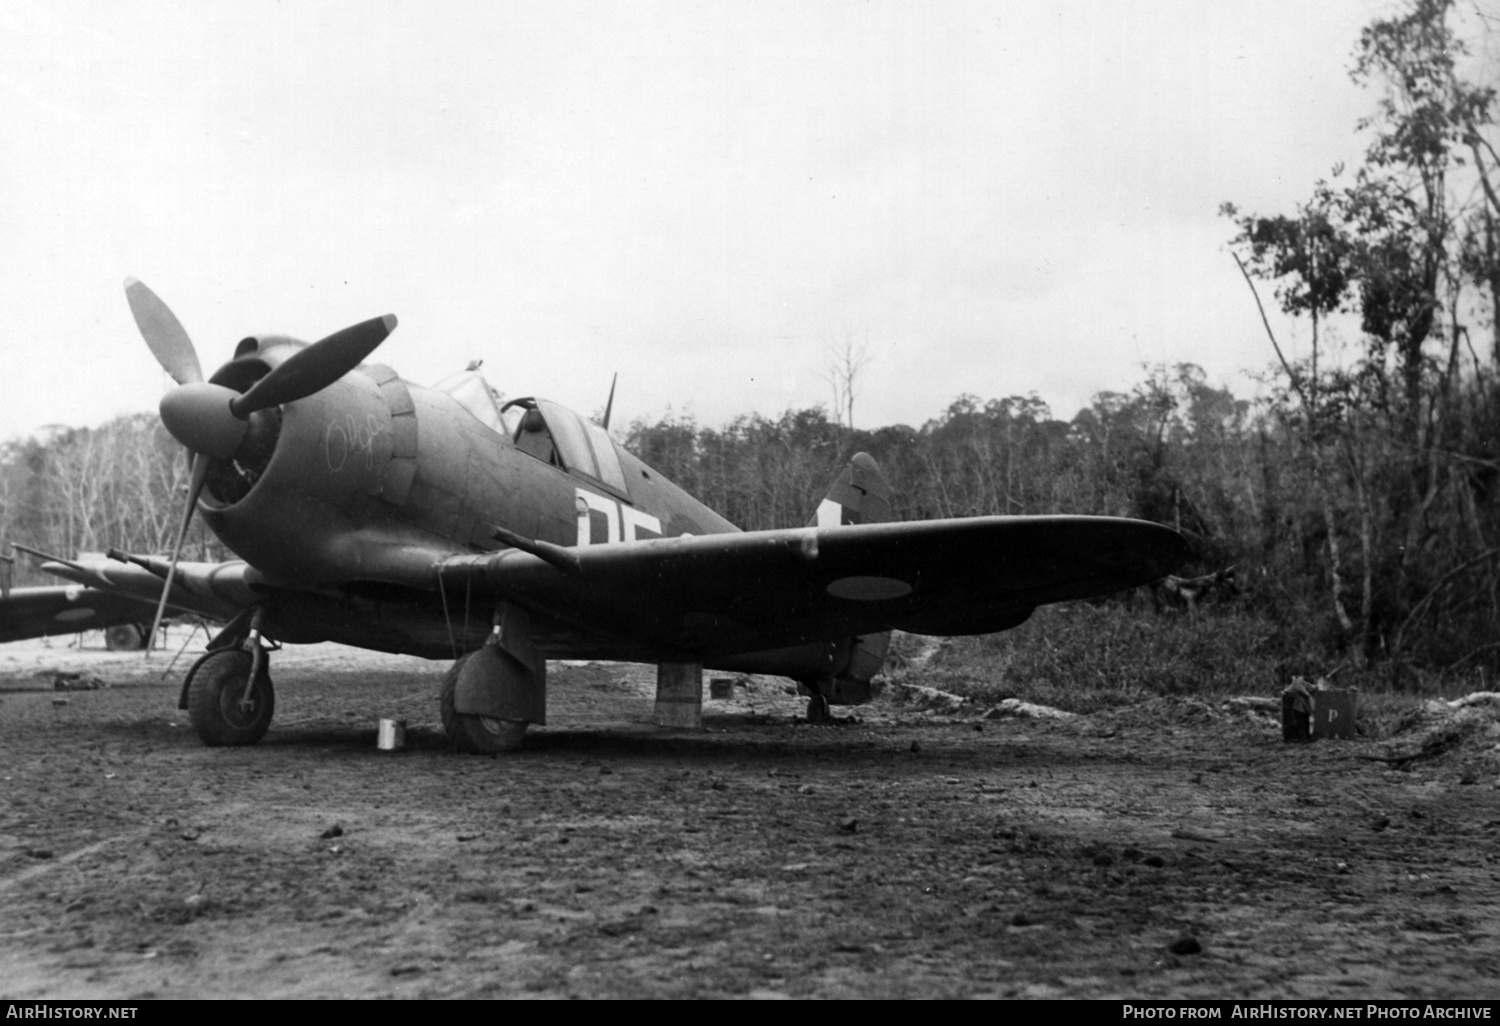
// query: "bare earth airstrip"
[[912, 853]]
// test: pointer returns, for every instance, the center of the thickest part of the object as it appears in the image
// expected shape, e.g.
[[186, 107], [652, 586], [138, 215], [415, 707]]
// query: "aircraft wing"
[[106, 593], [725, 593], [40, 612]]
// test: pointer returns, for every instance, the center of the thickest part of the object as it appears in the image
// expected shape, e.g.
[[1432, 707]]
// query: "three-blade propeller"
[[212, 420]]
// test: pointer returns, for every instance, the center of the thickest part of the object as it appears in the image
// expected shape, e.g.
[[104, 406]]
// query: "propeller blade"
[[316, 367], [195, 488], [163, 333]]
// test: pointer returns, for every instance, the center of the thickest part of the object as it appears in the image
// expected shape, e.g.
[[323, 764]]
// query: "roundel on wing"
[[868, 589]]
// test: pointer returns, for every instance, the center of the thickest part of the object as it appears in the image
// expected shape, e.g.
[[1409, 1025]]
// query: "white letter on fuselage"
[[597, 504]]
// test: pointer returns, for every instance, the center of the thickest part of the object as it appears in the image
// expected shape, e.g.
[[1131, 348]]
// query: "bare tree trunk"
[[1366, 547], [1335, 562]]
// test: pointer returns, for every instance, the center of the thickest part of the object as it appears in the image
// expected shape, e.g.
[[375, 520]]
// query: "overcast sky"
[[999, 198]]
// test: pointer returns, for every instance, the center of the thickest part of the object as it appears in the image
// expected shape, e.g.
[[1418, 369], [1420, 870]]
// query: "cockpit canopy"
[[540, 428]]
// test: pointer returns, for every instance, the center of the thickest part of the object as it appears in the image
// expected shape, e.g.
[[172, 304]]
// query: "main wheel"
[[477, 735], [125, 637], [216, 685], [817, 709]]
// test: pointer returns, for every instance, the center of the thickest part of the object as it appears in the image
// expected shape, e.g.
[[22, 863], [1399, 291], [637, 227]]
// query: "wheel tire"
[[476, 735], [817, 709], [215, 686], [125, 637]]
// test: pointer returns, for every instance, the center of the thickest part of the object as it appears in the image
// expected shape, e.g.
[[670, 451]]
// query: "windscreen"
[[469, 389]]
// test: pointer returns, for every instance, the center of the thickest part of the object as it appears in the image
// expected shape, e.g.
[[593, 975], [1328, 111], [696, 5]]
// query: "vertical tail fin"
[[859, 496]]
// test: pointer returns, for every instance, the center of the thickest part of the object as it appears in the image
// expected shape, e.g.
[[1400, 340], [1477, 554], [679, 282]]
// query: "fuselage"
[[370, 483]]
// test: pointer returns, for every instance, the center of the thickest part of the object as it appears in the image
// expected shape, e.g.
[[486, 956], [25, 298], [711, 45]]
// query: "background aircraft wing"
[[108, 592], [725, 593], [38, 612]]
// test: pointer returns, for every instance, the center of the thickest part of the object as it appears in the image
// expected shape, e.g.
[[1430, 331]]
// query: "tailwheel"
[[477, 735], [223, 710]]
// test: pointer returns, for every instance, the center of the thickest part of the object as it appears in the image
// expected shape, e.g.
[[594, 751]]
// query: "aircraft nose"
[[198, 415]]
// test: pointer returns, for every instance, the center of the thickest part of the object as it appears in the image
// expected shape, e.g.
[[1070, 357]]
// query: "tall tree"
[[1399, 244]]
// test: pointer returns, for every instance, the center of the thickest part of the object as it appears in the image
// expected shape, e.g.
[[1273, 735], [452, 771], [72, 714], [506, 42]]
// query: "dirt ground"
[[913, 853]]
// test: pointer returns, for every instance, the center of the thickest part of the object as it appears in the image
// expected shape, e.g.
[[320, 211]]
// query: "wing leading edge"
[[727, 593]]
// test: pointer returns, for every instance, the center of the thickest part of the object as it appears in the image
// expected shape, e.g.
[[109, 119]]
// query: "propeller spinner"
[[213, 420]]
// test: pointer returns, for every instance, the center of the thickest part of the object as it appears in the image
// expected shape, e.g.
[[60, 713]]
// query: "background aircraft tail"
[[860, 495]]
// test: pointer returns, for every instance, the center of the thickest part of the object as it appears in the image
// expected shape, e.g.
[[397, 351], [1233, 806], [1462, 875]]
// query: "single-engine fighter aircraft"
[[441, 522]]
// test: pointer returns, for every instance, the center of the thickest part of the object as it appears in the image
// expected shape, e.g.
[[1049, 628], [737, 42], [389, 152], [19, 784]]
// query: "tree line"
[[73, 490], [1318, 536]]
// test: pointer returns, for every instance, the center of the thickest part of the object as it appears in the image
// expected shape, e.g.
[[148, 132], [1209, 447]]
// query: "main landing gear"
[[477, 735], [229, 698], [228, 693], [127, 637]]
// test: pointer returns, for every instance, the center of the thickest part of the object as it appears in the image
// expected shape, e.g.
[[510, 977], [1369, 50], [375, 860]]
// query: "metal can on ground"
[[392, 735]]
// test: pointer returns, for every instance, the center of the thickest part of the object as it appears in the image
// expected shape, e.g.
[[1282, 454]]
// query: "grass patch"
[[1085, 658]]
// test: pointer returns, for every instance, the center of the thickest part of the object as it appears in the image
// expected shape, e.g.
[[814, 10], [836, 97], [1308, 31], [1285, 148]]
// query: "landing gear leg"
[[257, 659]]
